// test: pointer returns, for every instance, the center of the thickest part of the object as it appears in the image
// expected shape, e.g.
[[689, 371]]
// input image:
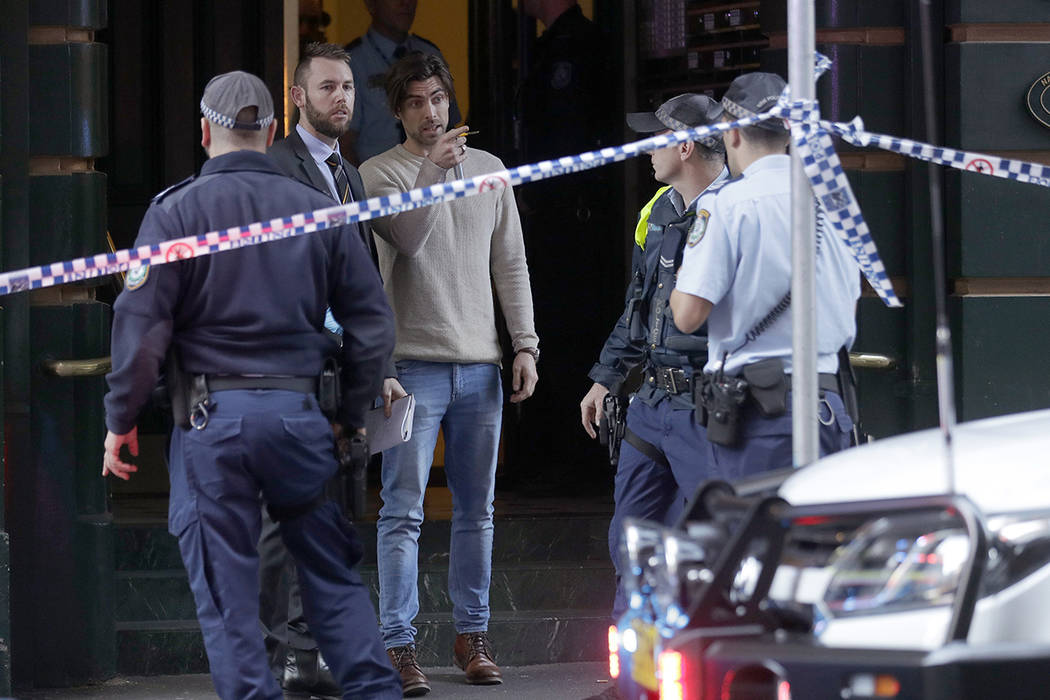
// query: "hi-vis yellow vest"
[[642, 229]]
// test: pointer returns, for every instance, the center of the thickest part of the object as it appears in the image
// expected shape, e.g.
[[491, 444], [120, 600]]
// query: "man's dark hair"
[[768, 140], [314, 50], [415, 66], [708, 153]]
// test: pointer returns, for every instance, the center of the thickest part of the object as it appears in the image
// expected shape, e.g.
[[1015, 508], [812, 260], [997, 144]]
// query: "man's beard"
[[427, 141], [323, 125]]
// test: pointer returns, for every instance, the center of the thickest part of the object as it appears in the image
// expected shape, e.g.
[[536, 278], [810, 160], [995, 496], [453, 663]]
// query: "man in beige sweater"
[[440, 265]]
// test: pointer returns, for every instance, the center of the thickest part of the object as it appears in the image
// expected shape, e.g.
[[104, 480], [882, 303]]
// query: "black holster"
[[611, 424], [178, 386], [722, 398], [353, 472], [329, 388]]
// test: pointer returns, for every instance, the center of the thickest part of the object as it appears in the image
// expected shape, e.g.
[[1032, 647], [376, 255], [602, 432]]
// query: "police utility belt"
[[670, 379], [720, 398], [191, 400]]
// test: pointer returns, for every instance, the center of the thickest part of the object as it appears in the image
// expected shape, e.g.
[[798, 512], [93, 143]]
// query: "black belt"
[[669, 379], [226, 382], [825, 381]]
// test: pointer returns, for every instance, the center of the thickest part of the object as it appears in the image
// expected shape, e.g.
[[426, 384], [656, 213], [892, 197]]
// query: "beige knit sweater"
[[441, 263]]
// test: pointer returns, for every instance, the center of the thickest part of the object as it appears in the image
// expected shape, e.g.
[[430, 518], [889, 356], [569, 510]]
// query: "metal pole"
[[945, 372], [805, 445]]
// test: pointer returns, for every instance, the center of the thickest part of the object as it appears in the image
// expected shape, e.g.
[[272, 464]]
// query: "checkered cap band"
[[663, 113], [227, 94]]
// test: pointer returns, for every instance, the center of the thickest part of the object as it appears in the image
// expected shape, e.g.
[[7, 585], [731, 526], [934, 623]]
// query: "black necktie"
[[342, 184]]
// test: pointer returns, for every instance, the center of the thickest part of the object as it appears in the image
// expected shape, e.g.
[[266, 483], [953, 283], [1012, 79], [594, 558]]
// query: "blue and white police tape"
[[831, 186], [853, 132], [809, 133], [307, 222]]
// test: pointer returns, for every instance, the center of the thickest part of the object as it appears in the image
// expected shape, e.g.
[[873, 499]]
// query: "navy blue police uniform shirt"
[[254, 310], [563, 102], [624, 350]]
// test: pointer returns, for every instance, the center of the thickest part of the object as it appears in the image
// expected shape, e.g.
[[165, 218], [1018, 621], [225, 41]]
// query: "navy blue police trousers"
[[274, 447], [766, 442], [649, 489]]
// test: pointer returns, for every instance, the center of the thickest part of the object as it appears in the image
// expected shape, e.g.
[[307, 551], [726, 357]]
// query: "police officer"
[[563, 109], [736, 275], [373, 128], [661, 457], [248, 326]]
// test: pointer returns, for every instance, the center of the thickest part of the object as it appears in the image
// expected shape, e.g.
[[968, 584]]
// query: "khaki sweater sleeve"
[[409, 230], [510, 273]]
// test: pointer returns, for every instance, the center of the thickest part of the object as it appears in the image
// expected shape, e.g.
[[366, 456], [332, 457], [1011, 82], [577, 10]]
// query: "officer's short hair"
[[316, 49], [718, 152], [768, 140], [414, 67]]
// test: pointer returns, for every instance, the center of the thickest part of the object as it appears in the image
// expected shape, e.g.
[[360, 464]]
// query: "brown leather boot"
[[473, 654], [413, 682]]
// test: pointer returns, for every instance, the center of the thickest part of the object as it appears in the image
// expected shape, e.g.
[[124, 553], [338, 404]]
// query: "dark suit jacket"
[[293, 157]]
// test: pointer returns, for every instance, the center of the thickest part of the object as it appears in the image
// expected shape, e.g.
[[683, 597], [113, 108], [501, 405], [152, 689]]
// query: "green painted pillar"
[[62, 570], [14, 170], [998, 232]]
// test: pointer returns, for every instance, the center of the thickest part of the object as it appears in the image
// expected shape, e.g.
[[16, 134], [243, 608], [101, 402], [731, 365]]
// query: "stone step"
[[146, 545], [519, 638], [165, 594]]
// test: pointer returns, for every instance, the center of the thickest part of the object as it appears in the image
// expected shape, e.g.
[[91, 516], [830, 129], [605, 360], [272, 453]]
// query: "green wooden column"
[[14, 168], [61, 529], [998, 231]]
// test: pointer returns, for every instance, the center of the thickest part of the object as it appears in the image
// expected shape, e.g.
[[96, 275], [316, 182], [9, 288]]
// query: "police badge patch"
[[561, 76], [1038, 99], [136, 278], [696, 233]]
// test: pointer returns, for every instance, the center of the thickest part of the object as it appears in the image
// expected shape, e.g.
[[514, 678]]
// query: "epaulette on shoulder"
[[354, 44], [177, 185], [716, 189], [427, 41], [722, 185]]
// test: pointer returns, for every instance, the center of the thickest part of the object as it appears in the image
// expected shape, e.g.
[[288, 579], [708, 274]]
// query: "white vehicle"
[[876, 572]]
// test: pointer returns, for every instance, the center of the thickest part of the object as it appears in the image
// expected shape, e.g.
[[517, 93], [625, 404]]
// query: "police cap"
[[686, 111], [754, 93], [227, 94]]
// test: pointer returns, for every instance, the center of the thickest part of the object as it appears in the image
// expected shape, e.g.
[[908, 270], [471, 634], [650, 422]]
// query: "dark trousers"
[[645, 488], [765, 443], [280, 607], [277, 444]]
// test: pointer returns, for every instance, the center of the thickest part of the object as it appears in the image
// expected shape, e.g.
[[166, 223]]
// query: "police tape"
[[810, 134], [831, 186], [853, 132], [259, 232]]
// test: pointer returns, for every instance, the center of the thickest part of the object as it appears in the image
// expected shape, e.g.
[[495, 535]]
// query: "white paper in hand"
[[383, 432]]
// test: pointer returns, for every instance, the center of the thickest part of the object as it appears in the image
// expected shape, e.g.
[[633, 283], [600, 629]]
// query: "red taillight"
[[672, 675], [614, 652], [727, 685], [783, 690]]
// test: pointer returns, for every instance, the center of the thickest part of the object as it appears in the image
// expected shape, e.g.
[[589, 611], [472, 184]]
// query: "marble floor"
[[544, 682]]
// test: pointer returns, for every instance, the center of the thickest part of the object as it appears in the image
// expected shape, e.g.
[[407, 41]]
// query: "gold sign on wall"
[[1038, 99]]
